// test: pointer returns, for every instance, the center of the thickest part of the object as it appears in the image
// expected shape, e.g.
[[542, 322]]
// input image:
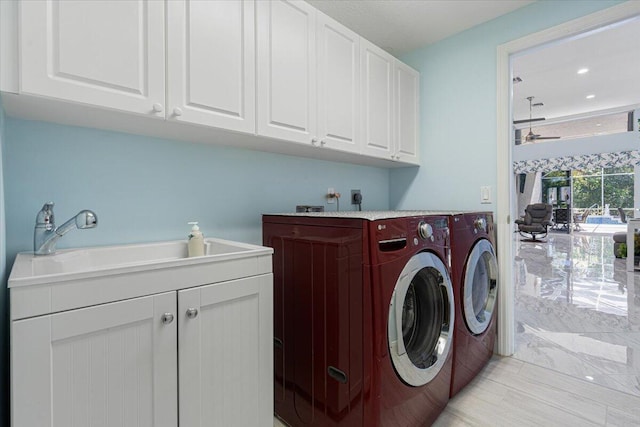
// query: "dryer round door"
[[420, 322], [480, 287]]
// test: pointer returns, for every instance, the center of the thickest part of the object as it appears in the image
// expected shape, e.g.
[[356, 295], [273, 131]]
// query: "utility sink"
[[83, 277], [85, 262]]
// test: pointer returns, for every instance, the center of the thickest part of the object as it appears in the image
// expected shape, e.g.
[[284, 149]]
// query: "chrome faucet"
[[45, 235]]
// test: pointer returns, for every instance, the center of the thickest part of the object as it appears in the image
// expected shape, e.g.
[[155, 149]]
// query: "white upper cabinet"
[[338, 85], [211, 63], [104, 53], [377, 101], [286, 70], [271, 68], [407, 107]]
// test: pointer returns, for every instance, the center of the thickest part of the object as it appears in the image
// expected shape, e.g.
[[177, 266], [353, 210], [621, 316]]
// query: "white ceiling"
[[400, 26], [549, 73]]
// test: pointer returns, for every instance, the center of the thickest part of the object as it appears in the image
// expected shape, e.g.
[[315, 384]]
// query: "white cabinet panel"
[[407, 106], [108, 54], [338, 86], [377, 101], [211, 63], [108, 365], [226, 353], [286, 73]]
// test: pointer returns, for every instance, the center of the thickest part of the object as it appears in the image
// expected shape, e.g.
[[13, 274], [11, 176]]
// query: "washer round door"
[[420, 322], [480, 287]]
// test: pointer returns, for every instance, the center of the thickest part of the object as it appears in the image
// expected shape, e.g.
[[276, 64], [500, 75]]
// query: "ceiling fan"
[[532, 136], [529, 120]]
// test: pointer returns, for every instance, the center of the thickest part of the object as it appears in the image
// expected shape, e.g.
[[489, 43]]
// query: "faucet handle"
[[45, 216]]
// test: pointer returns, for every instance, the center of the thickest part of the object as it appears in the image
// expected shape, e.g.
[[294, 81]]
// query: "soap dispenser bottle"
[[196, 241]]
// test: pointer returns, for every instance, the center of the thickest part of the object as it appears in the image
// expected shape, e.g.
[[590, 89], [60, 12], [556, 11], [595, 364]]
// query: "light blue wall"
[[458, 108], [147, 189]]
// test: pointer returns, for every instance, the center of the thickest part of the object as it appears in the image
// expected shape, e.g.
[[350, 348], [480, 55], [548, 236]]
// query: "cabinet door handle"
[[167, 318], [314, 141], [192, 313], [177, 111], [323, 142], [157, 107]]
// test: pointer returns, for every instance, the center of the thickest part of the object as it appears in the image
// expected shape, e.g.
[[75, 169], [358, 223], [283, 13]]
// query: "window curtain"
[[582, 162]]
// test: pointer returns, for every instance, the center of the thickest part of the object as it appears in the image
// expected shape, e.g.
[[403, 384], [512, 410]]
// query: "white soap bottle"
[[196, 241]]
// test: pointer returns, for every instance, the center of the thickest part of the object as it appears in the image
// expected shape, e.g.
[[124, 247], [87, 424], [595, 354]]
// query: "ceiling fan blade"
[[547, 137], [538, 119]]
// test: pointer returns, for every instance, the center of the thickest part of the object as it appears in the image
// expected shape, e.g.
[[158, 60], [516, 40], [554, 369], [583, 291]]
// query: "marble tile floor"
[[511, 392], [577, 310]]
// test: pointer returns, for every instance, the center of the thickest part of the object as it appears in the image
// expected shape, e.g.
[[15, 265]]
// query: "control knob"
[[425, 230], [480, 224]]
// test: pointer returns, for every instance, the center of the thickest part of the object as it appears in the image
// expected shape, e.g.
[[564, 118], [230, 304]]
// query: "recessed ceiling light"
[[583, 71], [590, 96], [598, 124], [589, 377]]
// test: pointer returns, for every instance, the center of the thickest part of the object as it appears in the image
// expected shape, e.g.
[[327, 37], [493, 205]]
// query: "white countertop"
[[372, 215]]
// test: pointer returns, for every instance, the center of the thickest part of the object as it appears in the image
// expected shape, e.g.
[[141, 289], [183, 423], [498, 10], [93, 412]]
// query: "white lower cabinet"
[[125, 363], [225, 338], [110, 365]]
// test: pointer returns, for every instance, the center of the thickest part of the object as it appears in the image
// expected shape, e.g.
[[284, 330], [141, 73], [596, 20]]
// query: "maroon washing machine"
[[363, 317], [475, 278]]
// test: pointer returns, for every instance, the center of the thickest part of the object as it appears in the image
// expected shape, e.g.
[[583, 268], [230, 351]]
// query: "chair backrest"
[[562, 215], [623, 216], [536, 213]]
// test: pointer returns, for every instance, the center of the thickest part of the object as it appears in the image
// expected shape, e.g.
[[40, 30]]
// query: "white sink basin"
[[86, 262], [84, 277]]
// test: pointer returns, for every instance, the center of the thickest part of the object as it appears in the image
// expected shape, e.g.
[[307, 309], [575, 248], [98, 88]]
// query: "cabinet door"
[[226, 353], [104, 53], [407, 107], [286, 73], [211, 65], [109, 365], [338, 85], [377, 101]]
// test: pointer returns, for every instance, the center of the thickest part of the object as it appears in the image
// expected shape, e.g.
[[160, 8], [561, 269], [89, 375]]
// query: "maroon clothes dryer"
[[363, 317], [475, 278]]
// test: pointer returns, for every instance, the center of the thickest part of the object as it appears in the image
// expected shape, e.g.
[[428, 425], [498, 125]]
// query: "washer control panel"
[[480, 224], [429, 230]]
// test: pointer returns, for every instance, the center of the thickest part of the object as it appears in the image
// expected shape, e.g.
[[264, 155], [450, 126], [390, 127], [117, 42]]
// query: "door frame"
[[505, 181]]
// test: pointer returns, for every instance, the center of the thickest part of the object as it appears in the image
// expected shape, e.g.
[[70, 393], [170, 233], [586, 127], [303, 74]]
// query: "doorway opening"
[[571, 293]]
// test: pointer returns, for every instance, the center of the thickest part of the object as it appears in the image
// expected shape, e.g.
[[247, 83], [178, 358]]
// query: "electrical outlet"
[[356, 197], [331, 195]]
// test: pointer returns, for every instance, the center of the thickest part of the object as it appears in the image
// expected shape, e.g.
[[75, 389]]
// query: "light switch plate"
[[485, 194]]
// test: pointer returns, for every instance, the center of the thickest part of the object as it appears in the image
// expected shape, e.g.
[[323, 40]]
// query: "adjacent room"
[[576, 155]]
